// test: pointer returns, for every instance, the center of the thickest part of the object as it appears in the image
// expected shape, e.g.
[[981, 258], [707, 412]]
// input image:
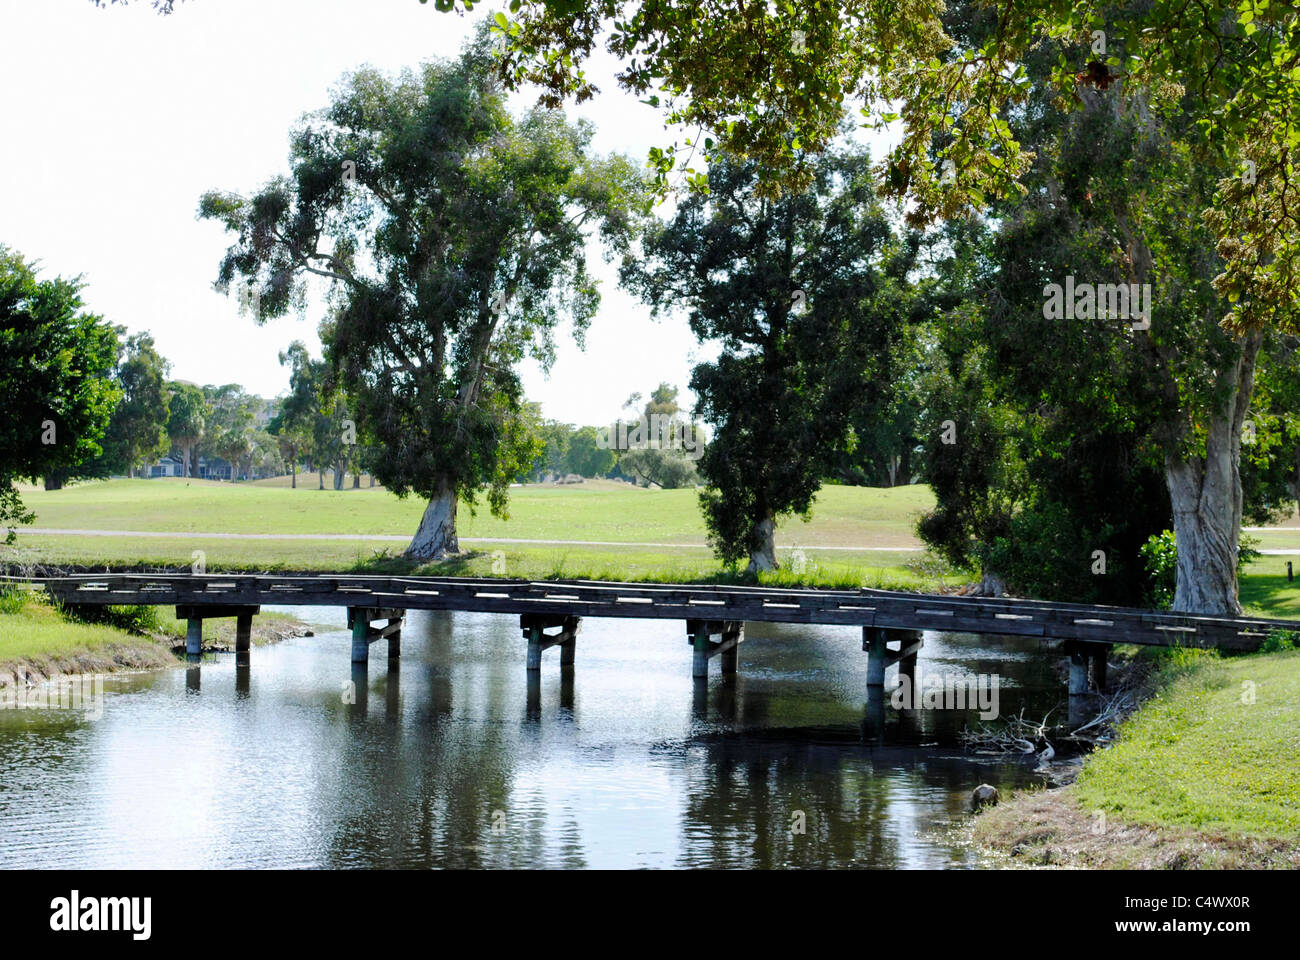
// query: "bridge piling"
[[363, 634], [534, 627], [1086, 657], [243, 637], [699, 634], [873, 641], [193, 636], [195, 614]]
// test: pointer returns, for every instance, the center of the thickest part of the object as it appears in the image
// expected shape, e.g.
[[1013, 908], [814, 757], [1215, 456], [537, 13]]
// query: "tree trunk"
[[764, 558], [293, 475], [356, 481], [372, 479], [1206, 495], [436, 537], [130, 471], [339, 474], [186, 471], [53, 482], [320, 476]]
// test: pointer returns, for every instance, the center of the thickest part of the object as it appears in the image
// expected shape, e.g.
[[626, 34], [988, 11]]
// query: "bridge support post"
[[243, 637], [194, 614], [873, 641], [1078, 669], [194, 636], [363, 634], [700, 633], [700, 658], [1084, 655], [1099, 666], [395, 638], [534, 627], [733, 635]]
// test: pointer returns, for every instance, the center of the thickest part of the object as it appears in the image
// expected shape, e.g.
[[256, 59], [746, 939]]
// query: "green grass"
[[36, 629], [685, 564], [1266, 592], [598, 510], [1198, 755], [618, 518]]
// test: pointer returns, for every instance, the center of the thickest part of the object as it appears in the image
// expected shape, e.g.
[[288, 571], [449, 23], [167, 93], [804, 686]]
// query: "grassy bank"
[[1205, 774], [37, 640]]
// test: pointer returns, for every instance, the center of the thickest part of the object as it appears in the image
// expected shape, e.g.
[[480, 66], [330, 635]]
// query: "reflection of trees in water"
[[860, 808], [419, 785]]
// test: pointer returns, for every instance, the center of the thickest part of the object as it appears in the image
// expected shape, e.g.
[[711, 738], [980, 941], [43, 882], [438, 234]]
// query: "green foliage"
[[137, 432], [772, 82], [187, 413], [453, 237], [13, 597], [56, 388], [138, 619], [1160, 560], [586, 457], [806, 295]]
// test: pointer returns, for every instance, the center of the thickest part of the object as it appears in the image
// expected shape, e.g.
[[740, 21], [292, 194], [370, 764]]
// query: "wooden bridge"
[[708, 611]]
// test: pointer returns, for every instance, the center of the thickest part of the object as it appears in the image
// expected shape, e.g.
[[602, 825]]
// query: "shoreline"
[[131, 652], [1202, 775]]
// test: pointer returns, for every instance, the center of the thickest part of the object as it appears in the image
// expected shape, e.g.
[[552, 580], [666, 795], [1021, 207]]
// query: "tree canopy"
[[452, 236]]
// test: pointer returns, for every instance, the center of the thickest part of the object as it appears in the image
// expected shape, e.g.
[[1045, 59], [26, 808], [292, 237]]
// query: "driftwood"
[[1014, 735]]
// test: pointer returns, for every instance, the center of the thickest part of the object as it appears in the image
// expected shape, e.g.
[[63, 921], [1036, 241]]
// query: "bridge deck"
[[587, 598]]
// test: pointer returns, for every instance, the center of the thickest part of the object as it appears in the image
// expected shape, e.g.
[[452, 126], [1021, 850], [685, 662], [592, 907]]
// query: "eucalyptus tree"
[[751, 74], [451, 235], [807, 294], [137, 431], [1098, 324]]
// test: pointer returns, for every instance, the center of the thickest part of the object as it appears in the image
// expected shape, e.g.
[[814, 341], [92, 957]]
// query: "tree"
[[230, 415], [452, 236], [771, 81], [1140, 412], [137, 431], [660, 448], [806, 294], [56, 387], [186, 418], [585, 455]]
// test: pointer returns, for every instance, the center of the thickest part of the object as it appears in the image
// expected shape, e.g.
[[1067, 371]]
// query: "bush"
[[1160, 559], [12, 598], [133, 619], [1279, 640]]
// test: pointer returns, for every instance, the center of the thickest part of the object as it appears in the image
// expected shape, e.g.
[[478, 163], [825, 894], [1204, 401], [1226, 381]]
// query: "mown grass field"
[[599, 510], [632, 534]]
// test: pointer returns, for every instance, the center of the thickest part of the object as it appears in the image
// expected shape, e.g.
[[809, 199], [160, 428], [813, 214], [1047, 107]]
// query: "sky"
[[116, 121]]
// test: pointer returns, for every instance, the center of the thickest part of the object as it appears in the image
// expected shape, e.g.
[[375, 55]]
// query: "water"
[[458, 760]]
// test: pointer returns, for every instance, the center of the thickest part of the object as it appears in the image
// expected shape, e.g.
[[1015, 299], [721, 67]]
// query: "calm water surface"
[[456, 760]]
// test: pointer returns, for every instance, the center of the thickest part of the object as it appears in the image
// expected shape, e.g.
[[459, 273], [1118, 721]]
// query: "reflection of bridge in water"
[[551, 613]]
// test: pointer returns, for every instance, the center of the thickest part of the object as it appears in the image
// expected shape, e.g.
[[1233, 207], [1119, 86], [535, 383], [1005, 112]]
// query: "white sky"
[[116, 120]]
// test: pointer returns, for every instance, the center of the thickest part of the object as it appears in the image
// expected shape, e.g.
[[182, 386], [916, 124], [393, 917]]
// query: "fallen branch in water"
[[1015, 735]]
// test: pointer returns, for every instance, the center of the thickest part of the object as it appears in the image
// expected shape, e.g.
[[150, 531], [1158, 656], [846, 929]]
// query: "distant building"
[[167, 467]]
